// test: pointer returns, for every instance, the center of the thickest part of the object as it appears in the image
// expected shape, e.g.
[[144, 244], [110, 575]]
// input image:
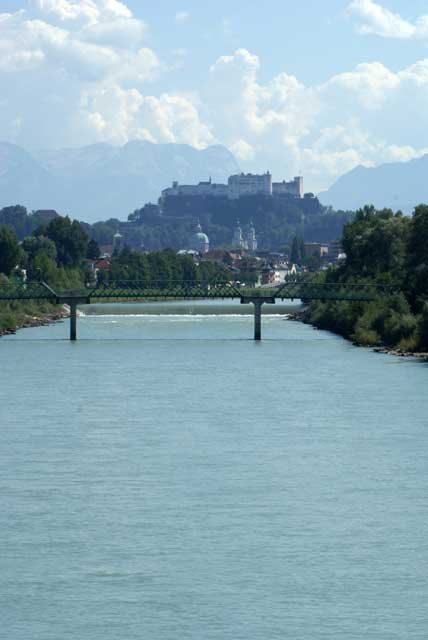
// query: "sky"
[[296, 87]]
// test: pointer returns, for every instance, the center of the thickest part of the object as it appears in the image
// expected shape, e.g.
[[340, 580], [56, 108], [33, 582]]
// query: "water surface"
[[167, 478]]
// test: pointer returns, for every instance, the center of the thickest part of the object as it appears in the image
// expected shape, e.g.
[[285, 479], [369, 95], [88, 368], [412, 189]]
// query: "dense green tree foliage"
[[93, 250], [277, 221], [417, 259], [297, 254], [9, 250], [22, 222], [71, 241], [375, 243], [162, 267], [382, 247]]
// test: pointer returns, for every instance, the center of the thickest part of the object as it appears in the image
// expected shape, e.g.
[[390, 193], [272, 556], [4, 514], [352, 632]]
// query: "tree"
[[10, 252], [417, 258], [33, 245], [297, 250], [375, 243], [16, 218], [70, 240], [93, 251]]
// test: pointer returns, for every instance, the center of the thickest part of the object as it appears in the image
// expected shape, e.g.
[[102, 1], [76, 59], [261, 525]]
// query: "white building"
[[202, 189], [248, 184], [241, 184], [294, 187]]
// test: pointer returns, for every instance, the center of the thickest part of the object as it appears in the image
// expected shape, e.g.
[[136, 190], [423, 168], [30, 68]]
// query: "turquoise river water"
[[166, 478]]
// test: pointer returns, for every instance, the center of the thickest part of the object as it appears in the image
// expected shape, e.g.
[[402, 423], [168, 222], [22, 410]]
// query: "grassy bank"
[[19, 315], [387, 324]]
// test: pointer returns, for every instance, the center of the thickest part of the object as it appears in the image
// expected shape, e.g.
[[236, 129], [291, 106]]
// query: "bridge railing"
[[306, 290], [26, 291], [162, 289]]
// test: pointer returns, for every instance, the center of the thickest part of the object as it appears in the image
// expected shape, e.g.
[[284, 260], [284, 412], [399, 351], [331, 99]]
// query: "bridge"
[[161, 290]]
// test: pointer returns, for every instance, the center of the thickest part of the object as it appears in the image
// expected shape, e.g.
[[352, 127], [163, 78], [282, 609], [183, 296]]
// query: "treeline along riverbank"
[[381, 247], [61, 254]]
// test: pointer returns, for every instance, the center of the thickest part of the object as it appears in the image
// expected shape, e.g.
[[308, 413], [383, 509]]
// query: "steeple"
[[238, 241]]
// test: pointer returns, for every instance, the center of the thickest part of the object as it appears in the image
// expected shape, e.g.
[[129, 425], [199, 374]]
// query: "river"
[[166, 478]]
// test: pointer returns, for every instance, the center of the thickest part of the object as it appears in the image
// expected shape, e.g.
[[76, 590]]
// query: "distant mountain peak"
[[396, 185], [103, 181]]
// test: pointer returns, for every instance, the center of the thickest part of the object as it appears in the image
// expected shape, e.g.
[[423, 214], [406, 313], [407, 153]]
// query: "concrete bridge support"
[[72, 303], [73, 321], [258, 303]]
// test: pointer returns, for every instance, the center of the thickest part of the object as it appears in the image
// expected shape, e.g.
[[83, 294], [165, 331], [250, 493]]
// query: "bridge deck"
[[173, 291]]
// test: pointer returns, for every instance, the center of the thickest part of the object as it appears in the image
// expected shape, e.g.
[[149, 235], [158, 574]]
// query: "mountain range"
[[102, 181], [397, 185]]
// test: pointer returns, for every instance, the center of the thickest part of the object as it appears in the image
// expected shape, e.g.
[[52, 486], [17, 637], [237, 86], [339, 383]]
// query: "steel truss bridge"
[[161, 290]]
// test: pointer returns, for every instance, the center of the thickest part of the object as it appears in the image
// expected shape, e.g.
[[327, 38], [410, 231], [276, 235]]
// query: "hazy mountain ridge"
[[398, 185], [101, 181]]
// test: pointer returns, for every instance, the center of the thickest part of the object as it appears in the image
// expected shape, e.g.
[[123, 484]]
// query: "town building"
[[268, 275], [106, 250], [208, 188], [335, 249], [318, 249], [249, 184], [293, 188]]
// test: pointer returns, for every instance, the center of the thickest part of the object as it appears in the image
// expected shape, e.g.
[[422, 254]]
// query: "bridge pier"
[[258, 303], [72, 303], [73, 320]]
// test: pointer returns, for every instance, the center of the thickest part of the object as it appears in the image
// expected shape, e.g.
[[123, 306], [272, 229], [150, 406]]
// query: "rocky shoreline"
[[38, 321], [302, 316]]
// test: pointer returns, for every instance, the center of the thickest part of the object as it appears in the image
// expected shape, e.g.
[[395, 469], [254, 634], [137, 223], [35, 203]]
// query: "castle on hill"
[[242, 184]]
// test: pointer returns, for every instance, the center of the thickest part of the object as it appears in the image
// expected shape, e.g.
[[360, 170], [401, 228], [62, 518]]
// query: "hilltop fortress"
[[242, 184]]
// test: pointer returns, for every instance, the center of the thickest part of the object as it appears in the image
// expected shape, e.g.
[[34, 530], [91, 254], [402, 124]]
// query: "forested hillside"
[[276, 220]]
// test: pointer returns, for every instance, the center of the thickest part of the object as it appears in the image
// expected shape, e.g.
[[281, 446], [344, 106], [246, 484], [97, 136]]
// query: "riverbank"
[[303, 315], [23, 320]]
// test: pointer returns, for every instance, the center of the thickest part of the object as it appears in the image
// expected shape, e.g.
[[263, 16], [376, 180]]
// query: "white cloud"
[[363, 116], [76, 72], [181, 17], [377, 20], [79, 72], [90, 11], [120, 115], [242, 150]]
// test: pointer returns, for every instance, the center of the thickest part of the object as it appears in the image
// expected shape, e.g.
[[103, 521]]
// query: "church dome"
[[200, 237], [200, 241]]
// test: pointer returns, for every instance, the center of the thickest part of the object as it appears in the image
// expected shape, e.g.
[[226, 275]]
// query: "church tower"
[[238, 240], [251, 238]]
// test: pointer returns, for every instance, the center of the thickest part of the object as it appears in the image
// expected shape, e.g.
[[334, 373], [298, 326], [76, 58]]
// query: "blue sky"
[[309, 86], [312, 39]]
